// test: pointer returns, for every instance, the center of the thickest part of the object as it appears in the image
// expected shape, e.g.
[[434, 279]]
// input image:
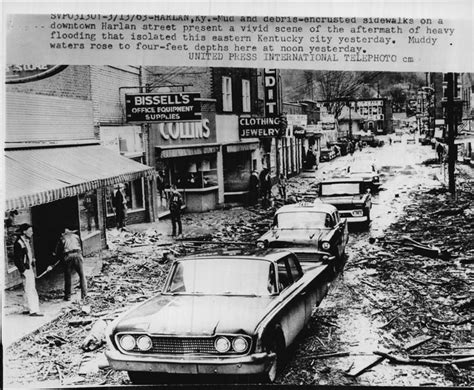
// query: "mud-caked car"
[[219, 314]]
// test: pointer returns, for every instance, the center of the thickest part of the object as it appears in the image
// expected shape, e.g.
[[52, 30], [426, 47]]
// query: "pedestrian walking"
[[282, 182], [176, 201], [25, 262], [440, 152], [265, 187], [119, 203], [253, 188], [69, 252], [350, 147]]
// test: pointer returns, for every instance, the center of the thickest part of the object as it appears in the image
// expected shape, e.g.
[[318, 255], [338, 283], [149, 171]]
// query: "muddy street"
[[390, 299]]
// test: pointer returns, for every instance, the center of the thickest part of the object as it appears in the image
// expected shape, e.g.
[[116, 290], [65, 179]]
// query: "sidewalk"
[[16, 325], [50, 288]]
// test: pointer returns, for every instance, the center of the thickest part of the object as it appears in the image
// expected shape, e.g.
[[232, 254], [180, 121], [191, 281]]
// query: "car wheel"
[[276, 346], [141, 377]]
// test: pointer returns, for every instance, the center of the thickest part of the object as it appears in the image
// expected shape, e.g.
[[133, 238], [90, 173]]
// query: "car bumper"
[[246, 365], [352, 219]]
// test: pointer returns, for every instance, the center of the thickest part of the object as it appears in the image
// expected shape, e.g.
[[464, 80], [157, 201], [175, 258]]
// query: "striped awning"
[[37, 176]]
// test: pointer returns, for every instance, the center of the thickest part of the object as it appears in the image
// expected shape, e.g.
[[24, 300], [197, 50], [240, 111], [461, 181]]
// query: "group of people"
[[68, 251], [261, 185]]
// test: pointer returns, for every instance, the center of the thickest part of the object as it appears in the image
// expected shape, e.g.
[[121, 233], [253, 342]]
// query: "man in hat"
[[119, 203], [25, 262], [69, 250], [176, 201]]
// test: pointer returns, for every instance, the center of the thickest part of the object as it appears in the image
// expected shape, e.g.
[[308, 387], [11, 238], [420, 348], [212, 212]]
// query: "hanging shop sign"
[[271, 86], [16, 74], [163, 107], [299, 132], [260, 127]]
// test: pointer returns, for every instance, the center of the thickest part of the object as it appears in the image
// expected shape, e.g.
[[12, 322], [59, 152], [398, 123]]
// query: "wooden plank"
[[360, 369], [417, 342]]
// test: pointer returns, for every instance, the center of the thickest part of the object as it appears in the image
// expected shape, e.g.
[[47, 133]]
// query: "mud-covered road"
[[387, 297]]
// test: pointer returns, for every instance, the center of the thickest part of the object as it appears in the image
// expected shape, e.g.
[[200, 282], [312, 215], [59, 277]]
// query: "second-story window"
[[226, 93], [245, 95]]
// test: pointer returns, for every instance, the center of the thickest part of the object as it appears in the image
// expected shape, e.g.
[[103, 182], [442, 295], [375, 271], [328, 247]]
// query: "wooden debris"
[[417, 342], [96, 337], [441, 356], [355, 372], [388, 323], [84, 321], [453, 322], [399, 360], [327, 355]]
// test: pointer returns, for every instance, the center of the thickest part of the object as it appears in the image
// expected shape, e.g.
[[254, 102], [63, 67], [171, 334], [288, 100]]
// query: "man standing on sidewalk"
[[24, 261], [119, 203], [176, 201], [69, 250]]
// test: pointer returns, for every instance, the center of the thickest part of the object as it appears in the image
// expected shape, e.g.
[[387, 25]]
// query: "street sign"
[[163, 107]]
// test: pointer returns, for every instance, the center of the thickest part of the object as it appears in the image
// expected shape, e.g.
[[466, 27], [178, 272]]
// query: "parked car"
[[351, 196], [398, 136], [327, 155], [366, 172], [314, 231], [411, 138], [219, 314], [342, 146]]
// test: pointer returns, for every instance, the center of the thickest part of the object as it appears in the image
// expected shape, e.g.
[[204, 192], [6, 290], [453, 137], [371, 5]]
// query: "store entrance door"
[[49, 220]]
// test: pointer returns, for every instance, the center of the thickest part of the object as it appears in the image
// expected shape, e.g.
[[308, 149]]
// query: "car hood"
[[196, 315], [300, 236]]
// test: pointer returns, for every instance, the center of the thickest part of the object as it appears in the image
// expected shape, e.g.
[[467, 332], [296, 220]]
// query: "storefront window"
[[237, 171], [134, 193], [88, 216], [194, 172]]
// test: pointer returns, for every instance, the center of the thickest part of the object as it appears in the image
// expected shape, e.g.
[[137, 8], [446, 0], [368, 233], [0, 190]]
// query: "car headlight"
[[357, 213], [144, 343], [376, 178], [239, 344], [261, 244], [127, 342], [222, 344], [325, 245]]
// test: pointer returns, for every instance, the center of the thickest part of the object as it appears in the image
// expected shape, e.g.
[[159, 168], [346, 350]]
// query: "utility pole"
[[451, 123]]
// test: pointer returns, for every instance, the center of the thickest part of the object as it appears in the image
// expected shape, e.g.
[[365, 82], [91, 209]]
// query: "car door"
[[293, 313]]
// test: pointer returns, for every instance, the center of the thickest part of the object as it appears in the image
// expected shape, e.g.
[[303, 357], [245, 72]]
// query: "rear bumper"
[[246, 365], [352, 219]]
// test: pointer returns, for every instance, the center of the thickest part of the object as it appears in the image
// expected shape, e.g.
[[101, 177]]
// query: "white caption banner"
[[336, 43]]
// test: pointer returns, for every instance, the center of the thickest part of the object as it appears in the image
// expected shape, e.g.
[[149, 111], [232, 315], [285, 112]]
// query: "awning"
[[185, 150], [241, 146], [37, 176]]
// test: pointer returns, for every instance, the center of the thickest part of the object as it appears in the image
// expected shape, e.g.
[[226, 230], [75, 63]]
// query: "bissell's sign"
[[25, 73], [259, 127], [178, 106]]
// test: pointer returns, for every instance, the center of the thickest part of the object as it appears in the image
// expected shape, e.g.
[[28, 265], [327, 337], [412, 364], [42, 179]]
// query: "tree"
[[338, 87]]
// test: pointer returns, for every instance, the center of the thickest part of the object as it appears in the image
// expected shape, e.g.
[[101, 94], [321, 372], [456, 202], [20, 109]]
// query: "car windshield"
[[302, 220], [328, 189], [222, 276]]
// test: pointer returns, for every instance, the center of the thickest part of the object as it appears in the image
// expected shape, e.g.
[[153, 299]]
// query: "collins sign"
[[163, 107], [260, 127]]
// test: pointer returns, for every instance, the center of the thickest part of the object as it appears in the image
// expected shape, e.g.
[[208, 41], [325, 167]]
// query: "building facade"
[[57, 173]]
